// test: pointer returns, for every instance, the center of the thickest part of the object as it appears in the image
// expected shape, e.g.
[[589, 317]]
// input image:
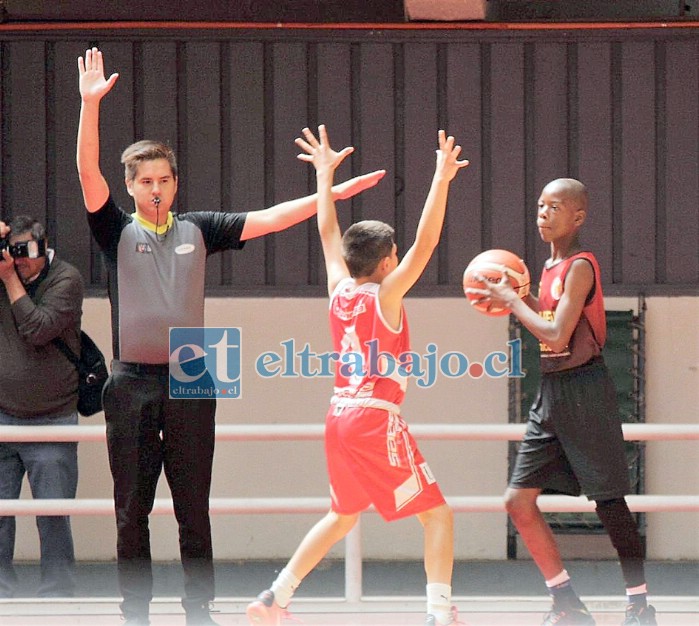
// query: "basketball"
[[490, 265]]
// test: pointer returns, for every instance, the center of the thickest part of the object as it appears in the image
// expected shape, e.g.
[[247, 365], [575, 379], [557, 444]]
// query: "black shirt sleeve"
[[221, 230], [106, 225]]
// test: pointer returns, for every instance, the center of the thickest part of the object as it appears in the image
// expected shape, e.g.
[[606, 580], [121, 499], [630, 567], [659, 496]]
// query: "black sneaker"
[[568, 617], [640, 616], [199, 615]]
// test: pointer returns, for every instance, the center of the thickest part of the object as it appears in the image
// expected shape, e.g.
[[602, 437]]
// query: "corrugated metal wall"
[[617, 108]]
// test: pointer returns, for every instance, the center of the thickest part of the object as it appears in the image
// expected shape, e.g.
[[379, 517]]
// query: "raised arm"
[[429, 228], [286, 214], [93, 87], [326, 160]]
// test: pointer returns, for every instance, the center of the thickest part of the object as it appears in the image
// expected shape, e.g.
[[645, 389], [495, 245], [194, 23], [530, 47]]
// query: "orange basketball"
[[490, 265]]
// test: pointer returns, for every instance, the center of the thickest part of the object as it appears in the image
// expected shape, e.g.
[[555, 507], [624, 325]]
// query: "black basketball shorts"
[[573, 442]]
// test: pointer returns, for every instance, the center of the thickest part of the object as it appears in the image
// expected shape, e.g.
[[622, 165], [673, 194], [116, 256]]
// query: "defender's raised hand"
[[447, 157], [319, 152], [93, 85]]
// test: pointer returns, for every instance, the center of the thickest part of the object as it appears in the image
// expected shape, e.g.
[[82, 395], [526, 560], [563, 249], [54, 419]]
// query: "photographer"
[[41, 299]]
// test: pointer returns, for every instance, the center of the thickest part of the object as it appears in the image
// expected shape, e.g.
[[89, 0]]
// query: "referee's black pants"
[[146, 433]]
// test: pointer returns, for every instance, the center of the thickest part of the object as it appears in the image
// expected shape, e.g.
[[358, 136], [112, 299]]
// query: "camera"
[[28, 249]]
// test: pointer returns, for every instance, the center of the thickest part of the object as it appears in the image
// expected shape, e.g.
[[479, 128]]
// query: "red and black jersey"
[[590, 332]]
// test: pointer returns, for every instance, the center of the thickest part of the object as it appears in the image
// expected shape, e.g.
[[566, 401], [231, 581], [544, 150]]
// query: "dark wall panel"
[[551, 120], [291, 110], [375, 132], [546, 146], [464, 96], [27, 130], [505, 217], [4, 128], [202, 141], [638, 174], [157, 81], [420, 126], [72, 235], [245, 121], [617, 109], [680, 233], [594, 158]]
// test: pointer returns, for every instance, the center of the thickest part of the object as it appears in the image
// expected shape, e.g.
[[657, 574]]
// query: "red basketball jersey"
[[590, 332], [369, 364]]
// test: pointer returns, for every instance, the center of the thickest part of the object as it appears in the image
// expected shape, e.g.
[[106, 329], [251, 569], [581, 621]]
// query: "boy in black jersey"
[[574, 442]]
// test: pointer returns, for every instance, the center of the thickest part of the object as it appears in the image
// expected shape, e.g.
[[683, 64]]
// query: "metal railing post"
[[353, 563]]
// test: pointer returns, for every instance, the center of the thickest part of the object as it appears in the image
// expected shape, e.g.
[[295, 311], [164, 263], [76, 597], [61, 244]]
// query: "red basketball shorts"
[[373, 459]]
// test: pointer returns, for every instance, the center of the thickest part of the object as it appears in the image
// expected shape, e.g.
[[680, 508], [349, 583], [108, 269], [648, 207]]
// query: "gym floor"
[[487, 593]]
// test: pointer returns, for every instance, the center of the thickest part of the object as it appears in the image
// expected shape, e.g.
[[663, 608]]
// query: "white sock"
[[637, 591], [558, 579], [439, 601], [284, 587]]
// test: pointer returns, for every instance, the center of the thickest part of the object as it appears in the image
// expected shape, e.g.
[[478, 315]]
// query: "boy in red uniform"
[[371, 456], [573, 442]]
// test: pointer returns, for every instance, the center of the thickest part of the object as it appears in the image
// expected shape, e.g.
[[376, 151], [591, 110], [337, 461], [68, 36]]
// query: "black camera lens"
[[24, 249]]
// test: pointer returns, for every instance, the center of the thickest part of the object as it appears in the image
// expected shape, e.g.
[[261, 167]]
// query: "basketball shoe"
[[198, 613], [431, 620], [568, 617], [637, 616], [264, 611]]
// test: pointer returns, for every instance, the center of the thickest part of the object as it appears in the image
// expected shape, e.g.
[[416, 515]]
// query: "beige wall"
[[463, 468]]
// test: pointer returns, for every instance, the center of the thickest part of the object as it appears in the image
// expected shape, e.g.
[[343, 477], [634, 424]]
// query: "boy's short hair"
[[146, 150], [364, 244]]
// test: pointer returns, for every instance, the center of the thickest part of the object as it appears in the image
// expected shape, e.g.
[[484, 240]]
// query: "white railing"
[[301, 432], [305, 432]]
